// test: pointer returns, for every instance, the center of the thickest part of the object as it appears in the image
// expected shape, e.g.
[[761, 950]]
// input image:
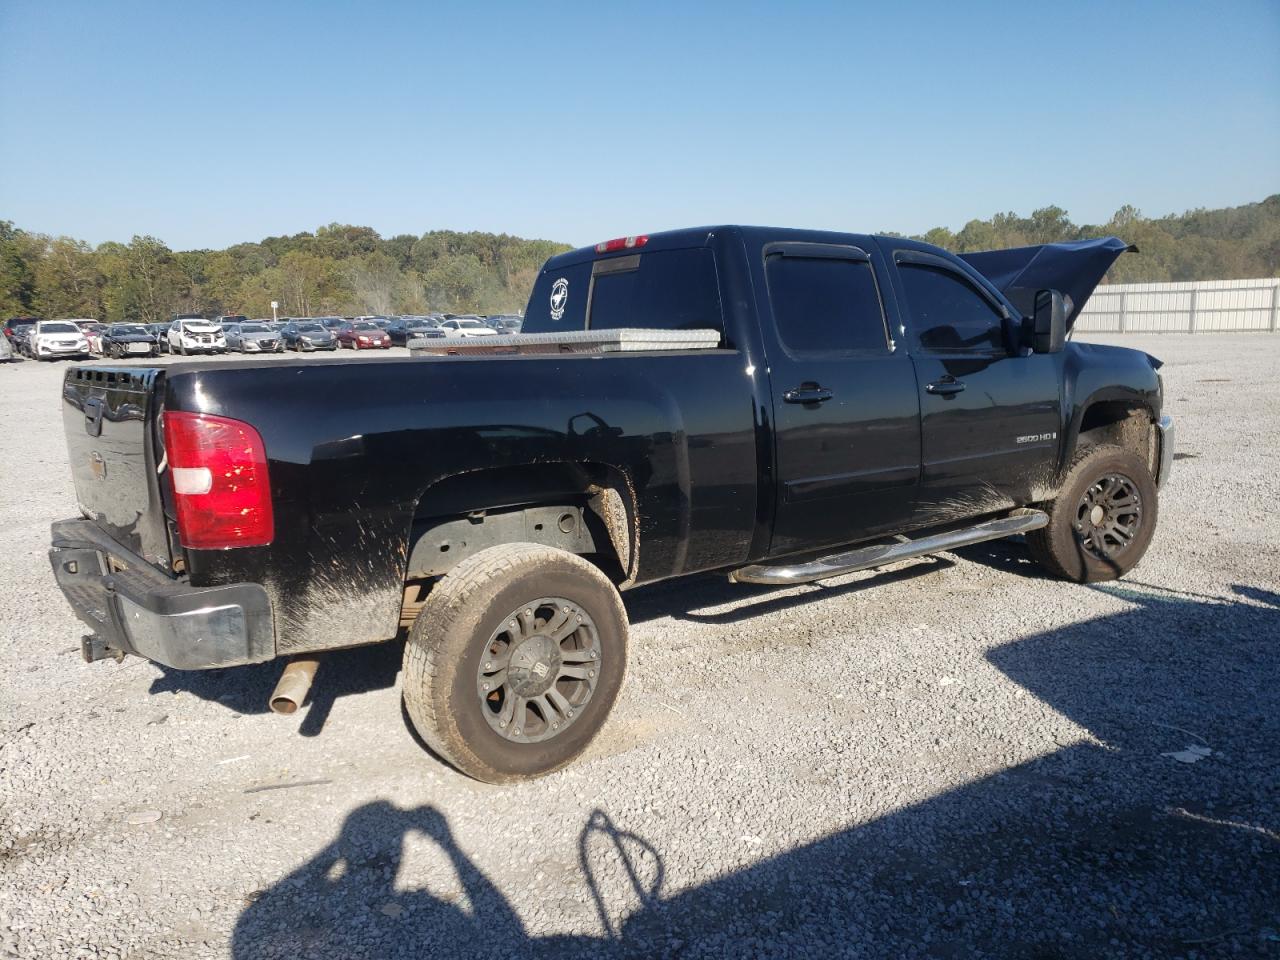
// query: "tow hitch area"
[[95, 648]]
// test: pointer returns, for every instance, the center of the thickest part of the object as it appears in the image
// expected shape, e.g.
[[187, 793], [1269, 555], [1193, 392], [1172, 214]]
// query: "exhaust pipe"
[[294, 683]]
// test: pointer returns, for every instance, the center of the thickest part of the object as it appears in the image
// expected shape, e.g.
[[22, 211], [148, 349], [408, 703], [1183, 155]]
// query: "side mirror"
[[1049, 322]]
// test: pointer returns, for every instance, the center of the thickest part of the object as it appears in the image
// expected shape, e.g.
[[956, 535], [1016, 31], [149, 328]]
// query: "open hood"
[[1073, 269]]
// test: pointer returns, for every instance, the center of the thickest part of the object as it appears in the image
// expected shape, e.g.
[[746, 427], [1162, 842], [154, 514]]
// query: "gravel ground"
[[951, 758]]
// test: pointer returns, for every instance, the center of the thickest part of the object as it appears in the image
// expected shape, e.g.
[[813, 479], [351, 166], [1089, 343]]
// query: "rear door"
[[846, 409], [108, 417], [990, 415]]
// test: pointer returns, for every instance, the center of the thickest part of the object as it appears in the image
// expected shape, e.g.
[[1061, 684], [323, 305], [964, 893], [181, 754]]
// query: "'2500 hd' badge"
[[559, 297]]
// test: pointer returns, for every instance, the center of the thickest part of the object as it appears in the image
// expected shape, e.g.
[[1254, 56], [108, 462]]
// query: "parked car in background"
[[160, 333], [303, 335], [404, 329], [52, 339], [224, 321], [505, 323], [196, 335], [332, 323], [253, 336], [467, 327], [128, 340], [362, 335], [15, 332], [93, 331]]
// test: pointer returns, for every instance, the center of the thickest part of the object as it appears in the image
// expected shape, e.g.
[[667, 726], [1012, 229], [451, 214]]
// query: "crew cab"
[[195, 334], [805, 404]]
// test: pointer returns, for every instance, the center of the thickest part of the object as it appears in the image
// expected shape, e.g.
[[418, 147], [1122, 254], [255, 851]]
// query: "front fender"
[[1098, 373]]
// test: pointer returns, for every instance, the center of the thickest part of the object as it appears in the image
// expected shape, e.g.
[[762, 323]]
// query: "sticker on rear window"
[[559, 297]]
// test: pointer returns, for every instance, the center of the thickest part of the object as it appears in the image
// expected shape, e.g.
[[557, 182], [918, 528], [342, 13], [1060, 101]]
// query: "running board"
[[864, 558]]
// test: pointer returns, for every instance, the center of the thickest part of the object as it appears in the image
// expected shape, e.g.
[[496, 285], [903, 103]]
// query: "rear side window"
[[826, 306], [948, 314]]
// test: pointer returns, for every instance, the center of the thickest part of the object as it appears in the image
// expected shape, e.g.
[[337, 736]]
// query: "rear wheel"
[[515, 661], [1103, 519]]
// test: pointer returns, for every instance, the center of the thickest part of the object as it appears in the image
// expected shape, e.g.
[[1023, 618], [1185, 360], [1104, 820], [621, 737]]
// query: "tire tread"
[[426, 668]]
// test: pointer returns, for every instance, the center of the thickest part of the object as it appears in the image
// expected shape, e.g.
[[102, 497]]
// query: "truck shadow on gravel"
[[686, 598], [245, 690], [1153, 835]]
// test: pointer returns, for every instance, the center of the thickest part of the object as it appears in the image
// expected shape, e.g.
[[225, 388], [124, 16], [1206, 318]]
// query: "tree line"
[[339, 269], [345, 270], [1231, 243]]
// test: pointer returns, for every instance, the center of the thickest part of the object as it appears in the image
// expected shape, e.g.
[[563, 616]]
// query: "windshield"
[[56, 327], [254, 328], [365, 326], [127, 330], [420, 325], [469, 323], [310, 328]]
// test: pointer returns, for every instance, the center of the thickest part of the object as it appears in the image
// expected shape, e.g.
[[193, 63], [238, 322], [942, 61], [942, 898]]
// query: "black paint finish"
[[718, 467]]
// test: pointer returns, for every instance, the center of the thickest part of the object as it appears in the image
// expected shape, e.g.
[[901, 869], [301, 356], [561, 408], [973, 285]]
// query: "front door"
[[990, 415], [846, 409]]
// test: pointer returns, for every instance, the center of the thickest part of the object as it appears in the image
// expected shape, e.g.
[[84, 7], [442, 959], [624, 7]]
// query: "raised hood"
[[1072, 269]]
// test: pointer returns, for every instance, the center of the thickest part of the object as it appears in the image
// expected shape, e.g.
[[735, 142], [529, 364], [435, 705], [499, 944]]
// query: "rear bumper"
[[1167, 433], [133, 608]]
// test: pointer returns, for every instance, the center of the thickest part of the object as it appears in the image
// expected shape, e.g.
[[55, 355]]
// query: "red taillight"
[[621, 243], [218, 469]]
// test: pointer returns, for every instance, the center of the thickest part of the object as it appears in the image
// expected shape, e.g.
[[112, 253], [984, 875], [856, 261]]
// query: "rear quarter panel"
[[353, 446]]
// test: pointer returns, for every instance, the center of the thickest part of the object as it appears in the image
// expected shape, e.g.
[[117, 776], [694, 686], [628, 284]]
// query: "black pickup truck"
[[861, 399]]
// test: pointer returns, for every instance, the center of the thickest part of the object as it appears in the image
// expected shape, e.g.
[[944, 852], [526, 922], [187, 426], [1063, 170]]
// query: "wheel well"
[[1121, 423], [586, 508]]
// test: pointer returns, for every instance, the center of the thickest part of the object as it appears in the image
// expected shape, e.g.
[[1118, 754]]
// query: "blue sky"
[[208, 124]]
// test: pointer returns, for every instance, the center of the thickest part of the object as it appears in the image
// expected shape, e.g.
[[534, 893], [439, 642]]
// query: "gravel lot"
[[950, 758]]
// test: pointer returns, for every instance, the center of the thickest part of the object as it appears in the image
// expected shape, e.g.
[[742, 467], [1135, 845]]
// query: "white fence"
[[1207, 306]]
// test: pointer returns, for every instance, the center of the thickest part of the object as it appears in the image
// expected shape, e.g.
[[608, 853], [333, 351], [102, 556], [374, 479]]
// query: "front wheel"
[[515, 661], [1103, 519]]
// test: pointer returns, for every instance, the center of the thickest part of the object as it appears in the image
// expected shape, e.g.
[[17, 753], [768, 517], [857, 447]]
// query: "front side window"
[[948, 314], [826, 306]]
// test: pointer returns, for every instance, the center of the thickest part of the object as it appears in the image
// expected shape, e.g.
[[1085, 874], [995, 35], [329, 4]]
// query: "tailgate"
[[108, 416]]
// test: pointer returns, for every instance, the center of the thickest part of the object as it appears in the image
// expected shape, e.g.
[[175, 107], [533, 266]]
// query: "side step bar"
[[864, 558]]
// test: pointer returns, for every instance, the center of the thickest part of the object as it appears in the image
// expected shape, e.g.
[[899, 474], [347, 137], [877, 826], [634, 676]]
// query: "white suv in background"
[[196, 335], [50, 339], [467, 327]]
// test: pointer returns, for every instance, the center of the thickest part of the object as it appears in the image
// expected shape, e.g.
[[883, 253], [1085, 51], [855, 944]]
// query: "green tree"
[[19, 254], [68, 283]]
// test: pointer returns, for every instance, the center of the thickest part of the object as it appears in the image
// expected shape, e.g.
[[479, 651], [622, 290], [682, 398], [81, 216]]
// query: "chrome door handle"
[[945, 387], [808, 394]]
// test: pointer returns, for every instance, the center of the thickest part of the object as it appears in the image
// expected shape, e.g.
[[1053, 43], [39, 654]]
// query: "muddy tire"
[[515, 661], [1103, 519]]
